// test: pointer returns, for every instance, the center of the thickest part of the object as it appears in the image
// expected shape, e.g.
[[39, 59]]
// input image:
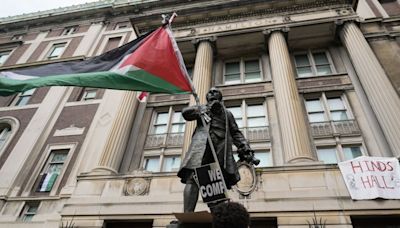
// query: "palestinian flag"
[[151, 63]]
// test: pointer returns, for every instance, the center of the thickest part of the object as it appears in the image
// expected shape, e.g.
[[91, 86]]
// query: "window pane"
[[162, 118], [4, 133], [177, 118], [256, 121], [27, 218], [151, 164], [351, 152], [301, 60], [320, 58], [335, 104], [252, 77], [324, 70], [252, 66], [252, 71], [265, 158], [89, 95], [236, 111], [232, 79], [161, 129], [28, 92], [22, 101], [56, 51], [327, 155], [176, 128], [55, 168], [171, 163], [314, 106], [339, 115], [255, 110], [304, 72], [3, 57], [316, 117], [232, 68]]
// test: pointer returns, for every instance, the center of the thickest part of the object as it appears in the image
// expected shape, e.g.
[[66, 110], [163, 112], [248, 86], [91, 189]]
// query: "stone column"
[[383, 98], [295, 138], [117, 139], [202, 76]]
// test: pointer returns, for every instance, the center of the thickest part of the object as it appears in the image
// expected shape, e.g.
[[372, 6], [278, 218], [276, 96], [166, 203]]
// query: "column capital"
[[343, 21], [210, 39], [268, 32]]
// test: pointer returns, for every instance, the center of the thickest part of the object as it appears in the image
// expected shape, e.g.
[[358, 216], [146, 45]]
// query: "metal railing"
[[332, 128], [164, 140], [256, 133]]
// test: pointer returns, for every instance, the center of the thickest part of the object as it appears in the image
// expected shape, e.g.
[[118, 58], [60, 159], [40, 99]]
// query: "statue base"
[[201, 219]]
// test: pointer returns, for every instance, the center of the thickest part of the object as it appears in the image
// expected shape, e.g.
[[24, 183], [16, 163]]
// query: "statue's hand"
[[247, 154]]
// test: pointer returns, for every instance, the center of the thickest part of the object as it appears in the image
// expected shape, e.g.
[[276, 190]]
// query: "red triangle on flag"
[[156, 55]]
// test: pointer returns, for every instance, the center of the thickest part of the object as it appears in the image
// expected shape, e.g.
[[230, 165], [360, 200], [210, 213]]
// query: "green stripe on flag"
[[134, 80]]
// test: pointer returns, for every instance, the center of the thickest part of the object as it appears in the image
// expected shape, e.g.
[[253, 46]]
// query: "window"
[[168, 122], [17, 37], [5, 132], [326, 107], [112, 43], [52, 170], [316, 63], [351, 152], [56, 51], [69, 30], [23, 98], [29, 211], [334, 154], [190, 71], [251, 119], [170, 163], [4, 56], [243, 71], [151, 164], [88, 94], [327, 155], [8, 128], [121, 25], [163, 145]]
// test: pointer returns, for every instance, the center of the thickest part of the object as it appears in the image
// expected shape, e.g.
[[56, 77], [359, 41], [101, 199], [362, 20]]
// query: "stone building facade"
[[311, 83]]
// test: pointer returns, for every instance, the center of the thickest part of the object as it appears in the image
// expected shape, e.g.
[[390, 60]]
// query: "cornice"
[[148, 20]]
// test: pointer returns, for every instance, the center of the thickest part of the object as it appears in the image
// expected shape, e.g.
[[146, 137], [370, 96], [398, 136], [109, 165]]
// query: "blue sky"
[[17, 7]]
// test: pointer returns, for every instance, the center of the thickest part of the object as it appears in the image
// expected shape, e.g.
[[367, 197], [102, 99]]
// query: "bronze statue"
[[223, 130]]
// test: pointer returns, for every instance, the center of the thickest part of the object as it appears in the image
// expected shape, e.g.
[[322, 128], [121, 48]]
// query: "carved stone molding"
[[137, 187], [68, 131], [248, 179]]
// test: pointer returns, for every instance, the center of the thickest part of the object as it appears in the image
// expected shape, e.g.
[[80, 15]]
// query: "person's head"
[[230, 215], [214, 94]]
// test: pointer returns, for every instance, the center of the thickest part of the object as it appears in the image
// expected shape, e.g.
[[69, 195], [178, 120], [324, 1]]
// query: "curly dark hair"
[[230, 215]]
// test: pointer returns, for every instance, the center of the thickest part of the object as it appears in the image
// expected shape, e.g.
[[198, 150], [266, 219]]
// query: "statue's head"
[[214, 94]]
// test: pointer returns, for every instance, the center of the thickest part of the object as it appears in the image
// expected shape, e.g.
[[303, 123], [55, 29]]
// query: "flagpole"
[[167, 22]]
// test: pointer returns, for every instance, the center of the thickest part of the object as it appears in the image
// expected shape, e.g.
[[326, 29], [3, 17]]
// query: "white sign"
[[372, 177]]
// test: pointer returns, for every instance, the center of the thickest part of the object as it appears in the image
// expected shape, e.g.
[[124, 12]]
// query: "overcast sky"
[[17, 7]]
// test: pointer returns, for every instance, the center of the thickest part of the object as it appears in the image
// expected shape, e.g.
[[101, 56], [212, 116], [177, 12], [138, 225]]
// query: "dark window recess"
[[264, 223], [112, 43], [128, 224], [375, 221]]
